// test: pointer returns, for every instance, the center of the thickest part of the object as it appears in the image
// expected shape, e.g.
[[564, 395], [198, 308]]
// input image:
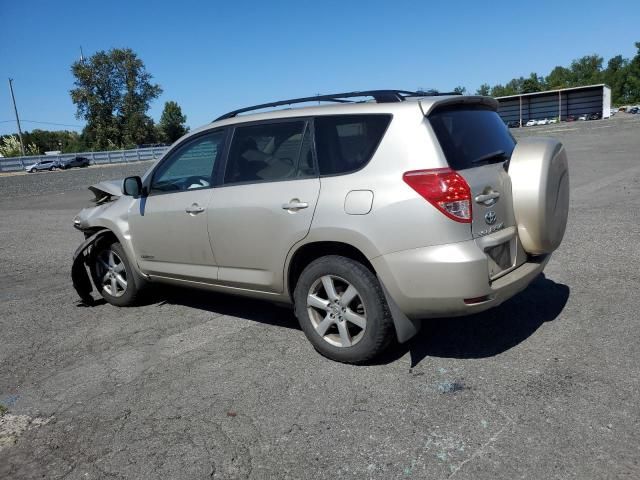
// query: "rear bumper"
[[435, 281]]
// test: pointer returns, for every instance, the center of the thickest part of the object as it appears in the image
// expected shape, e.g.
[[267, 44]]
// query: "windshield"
[[471, 136]]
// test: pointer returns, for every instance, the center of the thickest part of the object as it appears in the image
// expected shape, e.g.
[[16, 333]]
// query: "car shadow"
[[241, 307], [494, 331], [474, 336]]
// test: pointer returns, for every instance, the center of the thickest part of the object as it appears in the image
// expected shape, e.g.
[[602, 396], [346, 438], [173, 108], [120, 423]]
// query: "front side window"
[[346, 143], [269, 152], [191, 166]]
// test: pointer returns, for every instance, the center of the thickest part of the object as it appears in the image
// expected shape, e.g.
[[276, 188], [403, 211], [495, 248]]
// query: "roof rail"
[[380, 96]]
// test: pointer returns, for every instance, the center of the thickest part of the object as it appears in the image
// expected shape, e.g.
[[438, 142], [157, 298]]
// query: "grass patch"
[[3, 410]]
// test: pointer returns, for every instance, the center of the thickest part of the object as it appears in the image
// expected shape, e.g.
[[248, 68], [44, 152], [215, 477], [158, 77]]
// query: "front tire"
[[113, 275], [342, 310]]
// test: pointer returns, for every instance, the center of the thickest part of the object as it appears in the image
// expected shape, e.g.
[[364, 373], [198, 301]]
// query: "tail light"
[[445, 189]]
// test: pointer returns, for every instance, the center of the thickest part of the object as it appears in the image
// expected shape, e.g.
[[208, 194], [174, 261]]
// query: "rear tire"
[[342, 310], [113, 275]]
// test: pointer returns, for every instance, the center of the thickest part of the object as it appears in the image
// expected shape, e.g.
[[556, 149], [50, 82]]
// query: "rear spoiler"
[[429, 104]]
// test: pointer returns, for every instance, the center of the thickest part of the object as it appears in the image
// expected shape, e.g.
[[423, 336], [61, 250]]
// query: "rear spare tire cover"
[[540, 180]]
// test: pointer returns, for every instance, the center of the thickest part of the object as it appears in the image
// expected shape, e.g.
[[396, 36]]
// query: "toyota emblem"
[[490, 217]]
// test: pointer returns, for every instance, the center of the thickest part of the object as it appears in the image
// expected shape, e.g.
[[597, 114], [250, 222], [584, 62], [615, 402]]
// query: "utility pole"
[[15, 109]]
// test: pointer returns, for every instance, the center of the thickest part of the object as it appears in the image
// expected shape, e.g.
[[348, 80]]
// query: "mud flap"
[[406, 328], [79, 275]]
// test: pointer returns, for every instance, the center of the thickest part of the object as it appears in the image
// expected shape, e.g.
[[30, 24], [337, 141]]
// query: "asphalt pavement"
[[197, 385]]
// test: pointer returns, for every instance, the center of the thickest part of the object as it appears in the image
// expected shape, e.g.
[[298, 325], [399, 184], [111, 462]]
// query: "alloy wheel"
[[337, 311], [112, 273]]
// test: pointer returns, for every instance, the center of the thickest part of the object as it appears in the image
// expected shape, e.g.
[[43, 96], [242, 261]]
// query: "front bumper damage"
[[80, 268]]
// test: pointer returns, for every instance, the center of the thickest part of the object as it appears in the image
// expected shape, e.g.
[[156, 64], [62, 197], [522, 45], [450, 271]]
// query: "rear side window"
[[269, 152], [345, 143], [470, 137]]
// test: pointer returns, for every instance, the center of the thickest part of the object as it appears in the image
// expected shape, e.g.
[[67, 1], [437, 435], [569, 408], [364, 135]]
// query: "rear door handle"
[[488, 198], [295, 205], [194, 209]]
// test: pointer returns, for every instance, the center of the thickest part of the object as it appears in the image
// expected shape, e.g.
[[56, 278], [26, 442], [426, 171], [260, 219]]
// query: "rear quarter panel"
[[399, 219]]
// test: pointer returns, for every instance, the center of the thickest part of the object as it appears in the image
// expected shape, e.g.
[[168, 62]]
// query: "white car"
[[531, 123], [583, 118], [552, 121], [543, 122]]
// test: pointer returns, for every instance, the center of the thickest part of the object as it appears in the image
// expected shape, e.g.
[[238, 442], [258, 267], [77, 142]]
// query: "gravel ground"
[[197, 385]]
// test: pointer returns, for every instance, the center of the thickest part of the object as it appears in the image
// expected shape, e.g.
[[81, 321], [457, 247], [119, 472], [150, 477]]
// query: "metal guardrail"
[[13, 164]]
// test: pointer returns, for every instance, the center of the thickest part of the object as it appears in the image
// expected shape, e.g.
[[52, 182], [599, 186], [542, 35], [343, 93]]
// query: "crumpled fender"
[[79, 275]]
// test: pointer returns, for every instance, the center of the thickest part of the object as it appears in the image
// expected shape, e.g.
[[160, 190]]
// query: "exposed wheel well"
[[311, 251], [109, 236]]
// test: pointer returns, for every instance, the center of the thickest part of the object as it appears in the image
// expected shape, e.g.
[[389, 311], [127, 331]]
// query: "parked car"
[[531, 123], [553, 120], [73, 162], [571, 118], [544, 121], [594, 116], [428, 208], [513, 124], [634, 110], [42, 165], [583, 117], [613, 111]]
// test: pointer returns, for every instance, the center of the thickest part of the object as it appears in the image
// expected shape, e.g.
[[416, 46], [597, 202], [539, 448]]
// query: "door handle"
[[295, 205], [194, 209], [488, 198]]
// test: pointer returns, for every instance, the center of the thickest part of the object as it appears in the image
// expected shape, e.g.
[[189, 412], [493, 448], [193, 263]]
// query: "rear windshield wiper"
[[493, 157]]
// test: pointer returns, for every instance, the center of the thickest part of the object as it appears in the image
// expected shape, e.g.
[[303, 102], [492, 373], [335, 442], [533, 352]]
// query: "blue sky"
[[212, 57]]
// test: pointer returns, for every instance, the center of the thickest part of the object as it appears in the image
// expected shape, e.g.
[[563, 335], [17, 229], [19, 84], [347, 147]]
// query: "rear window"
[[471, 137], [346, 143]]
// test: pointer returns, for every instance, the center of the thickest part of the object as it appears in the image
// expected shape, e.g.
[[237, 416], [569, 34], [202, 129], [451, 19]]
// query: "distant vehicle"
[[582, 117], [594, 116], [513, 124], [42, 165], [553, 120], [73, 162], [544, 121], [531, 123], [613, 111], [571, 118], [634, 110]]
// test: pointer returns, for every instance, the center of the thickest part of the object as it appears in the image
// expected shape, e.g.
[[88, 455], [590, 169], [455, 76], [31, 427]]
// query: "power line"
[[44, 123]]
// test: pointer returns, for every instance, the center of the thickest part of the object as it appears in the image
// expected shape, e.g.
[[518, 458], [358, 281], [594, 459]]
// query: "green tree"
[[10, 147], [632, 81], [484, 89], [113, 92], [532, 84], [460, 89], [587, 70], [560, 77], [615, 75], [172, 123]]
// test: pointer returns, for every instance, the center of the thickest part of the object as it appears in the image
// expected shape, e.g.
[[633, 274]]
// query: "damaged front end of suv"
[[104, 221]]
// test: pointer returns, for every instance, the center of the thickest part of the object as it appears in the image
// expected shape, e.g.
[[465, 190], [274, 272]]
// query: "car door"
[[265, 204], [169, 226]]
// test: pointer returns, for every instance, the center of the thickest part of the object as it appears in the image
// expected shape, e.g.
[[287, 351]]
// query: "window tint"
[[470, 137], [191, 166], [346, 143], [269, 152]]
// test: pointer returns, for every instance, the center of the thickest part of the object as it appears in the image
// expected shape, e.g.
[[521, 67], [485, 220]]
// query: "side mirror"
[[132, 186]]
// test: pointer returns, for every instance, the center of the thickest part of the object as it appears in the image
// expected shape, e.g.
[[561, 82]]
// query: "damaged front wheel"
[[112, 274]]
